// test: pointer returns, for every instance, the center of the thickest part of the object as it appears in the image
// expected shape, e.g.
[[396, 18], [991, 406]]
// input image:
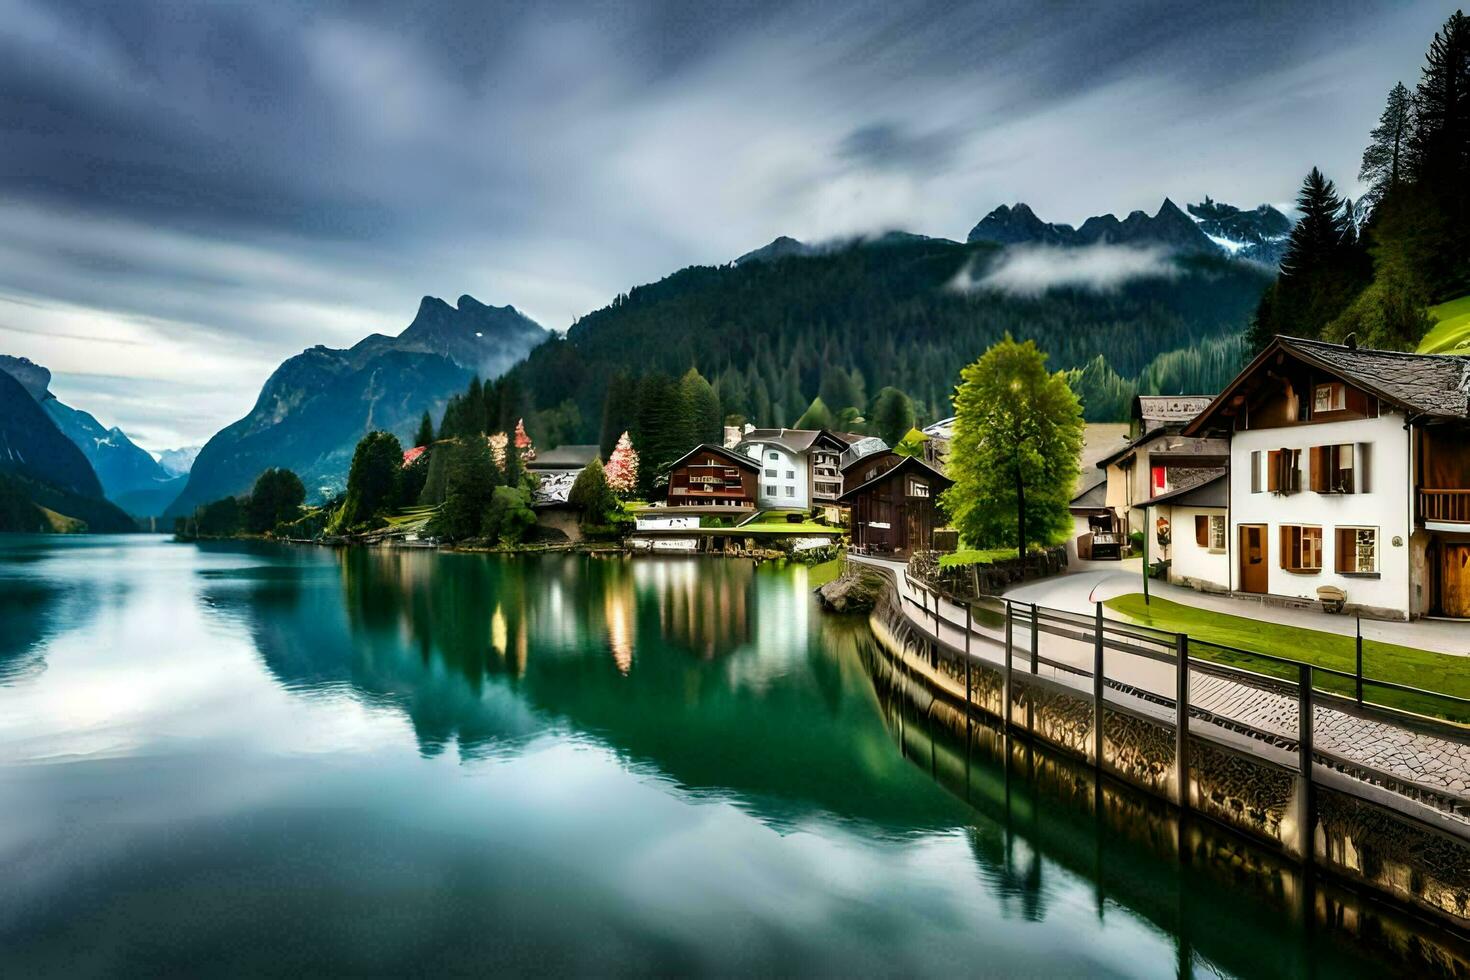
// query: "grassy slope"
[[977, 557], [1381, 661], [1451, 331]]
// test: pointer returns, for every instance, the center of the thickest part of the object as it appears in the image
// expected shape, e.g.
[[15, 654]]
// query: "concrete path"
[[1438, 764], [1093, 581]]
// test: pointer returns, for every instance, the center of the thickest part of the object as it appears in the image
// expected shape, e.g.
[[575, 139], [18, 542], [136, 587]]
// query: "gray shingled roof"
[[1429, 384], [564, 457]]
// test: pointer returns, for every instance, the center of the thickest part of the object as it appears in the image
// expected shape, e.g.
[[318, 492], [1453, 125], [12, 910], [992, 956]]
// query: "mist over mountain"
[[316, 405]]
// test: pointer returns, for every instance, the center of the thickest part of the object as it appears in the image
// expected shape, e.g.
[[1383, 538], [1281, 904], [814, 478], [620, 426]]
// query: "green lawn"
[[776, 527], [1381, 661], [1451, 331], [974, 556]]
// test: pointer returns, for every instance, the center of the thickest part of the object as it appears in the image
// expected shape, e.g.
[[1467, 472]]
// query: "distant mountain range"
[[318, 404], [130, 477], [46, 483], [1209, 228], [178, 462]]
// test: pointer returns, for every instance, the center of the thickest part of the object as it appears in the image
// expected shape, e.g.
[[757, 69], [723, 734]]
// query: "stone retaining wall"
[[1246, 788]]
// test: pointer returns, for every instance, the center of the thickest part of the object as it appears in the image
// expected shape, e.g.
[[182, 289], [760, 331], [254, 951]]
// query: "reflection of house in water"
[[702, 606]]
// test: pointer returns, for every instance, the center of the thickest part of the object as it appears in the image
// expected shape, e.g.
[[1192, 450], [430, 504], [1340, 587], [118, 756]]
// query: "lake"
[[245, 758]]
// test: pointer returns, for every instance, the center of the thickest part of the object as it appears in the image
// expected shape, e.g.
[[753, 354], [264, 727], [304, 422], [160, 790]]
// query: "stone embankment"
[[856, 590]]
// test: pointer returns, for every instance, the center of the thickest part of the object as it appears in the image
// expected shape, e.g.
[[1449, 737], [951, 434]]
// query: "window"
[[1301, 548], [1256, 471], [773, 456], [1332, 469], [1357, 550], [1329, 398], [1160, 480], [770, 490], [790, 491], [771, 474], [1283, 470], [790, 474], [918, 488], [1209, 531]]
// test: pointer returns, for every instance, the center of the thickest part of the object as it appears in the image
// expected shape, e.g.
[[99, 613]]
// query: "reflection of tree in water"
[[44, 592], [27, 609]]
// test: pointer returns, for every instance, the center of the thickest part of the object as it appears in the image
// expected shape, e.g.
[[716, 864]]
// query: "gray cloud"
[[1031, 271], [221, 185]]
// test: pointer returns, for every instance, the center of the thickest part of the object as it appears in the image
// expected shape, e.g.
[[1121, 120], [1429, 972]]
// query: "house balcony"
[[1445, 507]]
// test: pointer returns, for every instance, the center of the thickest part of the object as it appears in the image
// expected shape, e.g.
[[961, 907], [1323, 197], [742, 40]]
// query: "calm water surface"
[[246, 759]]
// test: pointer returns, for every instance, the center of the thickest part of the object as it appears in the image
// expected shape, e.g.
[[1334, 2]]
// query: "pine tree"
[[474, 408], [619, 410], [662, 434], [817, 416], [622, 467], [1440, 143], [893, 415], [1384, 161], [734, 395], [592, 496], [426, 431], [704, 420]]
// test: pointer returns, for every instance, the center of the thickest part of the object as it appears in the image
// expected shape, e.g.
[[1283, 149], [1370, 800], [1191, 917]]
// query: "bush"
[[509, 515], [591, 496]]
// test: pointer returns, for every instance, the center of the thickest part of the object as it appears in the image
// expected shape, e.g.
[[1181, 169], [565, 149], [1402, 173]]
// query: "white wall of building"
[[1191, 565], [783, 476], [1385, 506]]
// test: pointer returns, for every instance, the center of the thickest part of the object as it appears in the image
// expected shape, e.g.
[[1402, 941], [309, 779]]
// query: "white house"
[[1349, 470], [798, 467], [1190, 532]]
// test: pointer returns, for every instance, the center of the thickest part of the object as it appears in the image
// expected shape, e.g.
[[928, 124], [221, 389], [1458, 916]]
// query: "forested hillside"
[[774, 335], [1374, 270]]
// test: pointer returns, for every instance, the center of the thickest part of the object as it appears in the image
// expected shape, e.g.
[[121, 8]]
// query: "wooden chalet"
[[894, 503], [714, 477]]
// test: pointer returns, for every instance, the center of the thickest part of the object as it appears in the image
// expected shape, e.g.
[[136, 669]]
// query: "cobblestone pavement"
[[1413, 756], [1431, 762]]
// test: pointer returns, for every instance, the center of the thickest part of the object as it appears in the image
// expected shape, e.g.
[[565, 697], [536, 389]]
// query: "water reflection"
[[1045, 822], [46, 591]]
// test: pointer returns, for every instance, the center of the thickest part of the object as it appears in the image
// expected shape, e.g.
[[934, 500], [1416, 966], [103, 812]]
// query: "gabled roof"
[[1160, 411], [739, 459], [793, 440], [1433, 385], [1094, 497], [860, 450], [564, 457], [904, 463], [1214, 492]]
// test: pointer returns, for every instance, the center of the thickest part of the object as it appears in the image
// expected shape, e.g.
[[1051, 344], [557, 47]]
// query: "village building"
[[799, 468], [1349, 478], [714, 479], [1189, 534], [1157, 458], [556, 470], [894, 503], [1096, 531]]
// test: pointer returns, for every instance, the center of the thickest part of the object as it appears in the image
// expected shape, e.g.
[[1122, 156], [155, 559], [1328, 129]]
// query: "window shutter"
[[1256, 471], [1286, 560], [1363, 468], [1317, 469], [1202, 530], [1346, 545], [1273, 471]]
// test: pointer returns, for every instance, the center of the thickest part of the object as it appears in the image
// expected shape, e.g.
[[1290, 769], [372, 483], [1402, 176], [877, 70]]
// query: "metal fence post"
[[1005, 677], [1181, 718], [1035, 636], [1097, 690], [969, 621], [1304, 761], [1359, 677]]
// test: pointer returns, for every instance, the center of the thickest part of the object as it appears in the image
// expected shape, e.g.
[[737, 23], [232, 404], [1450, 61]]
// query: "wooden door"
[[1253, 556], [1454, 579]]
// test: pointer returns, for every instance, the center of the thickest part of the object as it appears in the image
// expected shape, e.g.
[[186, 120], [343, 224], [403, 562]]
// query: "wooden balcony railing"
[[1445, 506]]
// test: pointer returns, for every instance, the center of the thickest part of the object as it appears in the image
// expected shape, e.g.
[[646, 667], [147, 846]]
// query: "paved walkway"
[[1093, 581], [1438, 764]]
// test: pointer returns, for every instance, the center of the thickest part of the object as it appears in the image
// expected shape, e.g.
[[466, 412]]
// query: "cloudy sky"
[[191, 192]]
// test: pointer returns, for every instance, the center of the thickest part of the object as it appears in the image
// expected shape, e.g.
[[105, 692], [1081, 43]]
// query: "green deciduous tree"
[[276, 498], [372, 482], [508, 515], [591, 495], [1018, 436], [470, 482]]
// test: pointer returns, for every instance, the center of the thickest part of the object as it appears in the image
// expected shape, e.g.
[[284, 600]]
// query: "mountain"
[[1261, 234], [41, 468], [317, 405], [120, 465], [178, 462], [1170, 227], [901, 311], [785, 247]]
